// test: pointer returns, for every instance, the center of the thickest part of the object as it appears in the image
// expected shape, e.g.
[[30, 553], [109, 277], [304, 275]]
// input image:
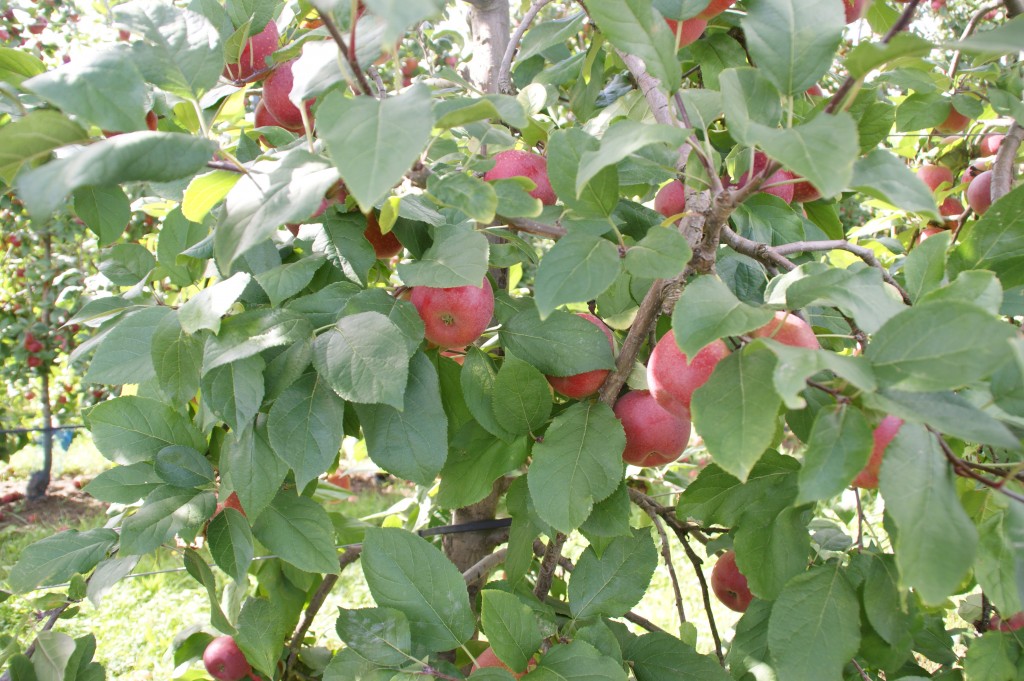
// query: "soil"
[[63, 506]]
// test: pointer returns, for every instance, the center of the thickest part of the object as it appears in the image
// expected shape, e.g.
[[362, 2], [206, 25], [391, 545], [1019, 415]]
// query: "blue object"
[[64, 437]]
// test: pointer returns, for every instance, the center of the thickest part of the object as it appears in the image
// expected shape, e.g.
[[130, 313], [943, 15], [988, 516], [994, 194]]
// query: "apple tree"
[[625, 283]]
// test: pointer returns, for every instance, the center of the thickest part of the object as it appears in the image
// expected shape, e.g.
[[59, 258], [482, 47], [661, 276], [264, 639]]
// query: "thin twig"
[[483, 567], [862, 252], [643, 622], [349, 55], [972, 26], [964, 470], [705, 595], [547, 566], [666, 554], [863, 674], [505, 70]]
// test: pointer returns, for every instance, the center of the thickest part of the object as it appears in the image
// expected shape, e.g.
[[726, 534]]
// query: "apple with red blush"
[[881, 436], [587, 383], [518, 163], [276, 90], [788, 329], [253, 58], [672, 377], [979, 192], [671, 199], [385, 246], [729, 584], [456, 316], [654, 436], [687, 31]]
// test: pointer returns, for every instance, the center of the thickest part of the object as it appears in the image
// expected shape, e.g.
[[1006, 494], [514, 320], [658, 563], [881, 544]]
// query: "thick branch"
[[489, 27], [1002, 170], [484, 566], [505, 70], [758, 251]]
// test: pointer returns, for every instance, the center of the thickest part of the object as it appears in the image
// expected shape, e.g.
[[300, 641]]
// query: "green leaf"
[[17, 65], [381, 635], [772, 550], [343, 242], [992, 656], [579, 267], [467, 193], [54, 650], [299, 531], [793, 41], [662, 254], [124, 484], [838, 449], [563, 344], [578, 464], [884, 176], [364, 359], [131, 157], [577, 661], [514, 200], [768, 219], [411, 575], [305, 427], [348, 664], [411, 443], [30, 139], [613, 583], [477, 382], [634, 28], [735, 411], [250, 468], [716, 497], [610, 517], [708, 310], [205, 191], [995, 242], [623, 139], [1003, 39], [797, 364], [177, 360], [824, 598], [522, 397], [402, 314], [105, 210], [458, 257], [925, 266], [261, 631], [717, 52], [936, 542], [939, 346], [998, 563], [922, 110], [749, 99], [184, 467], [476, 458], [180, 52], [230, 541], [400, 15], [127, 264], [284, 281], [252, 332], [166, 511], [132, 429], [56, 559], [546, 34], [106, 89], [659, 655], [205, 309], [948, 412], [882, 604], [234, 392], [565, 152], [288, 188], [868, 56], [510, 627], [373, 143], [125, 353]]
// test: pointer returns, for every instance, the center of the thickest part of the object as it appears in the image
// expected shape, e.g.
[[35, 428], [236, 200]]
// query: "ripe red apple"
[[979, 192], [783, 191], [152, 121], [409, 66], [689, 32], [854, 9], [804, 192], [671, 199], [882, 436], [385, 246], [454, 317], [815, 91], [934, 176], [729, 584], [950, 207], [231, 502], [254, 54], [929, 232], [955, 122], [516, 163], [714, 8], [224, 660], [990, 144], [488, 659], [788, 329], [672, 377], [38, 27], [1012, 623], [654, 436], [275, 97], [589, 382]]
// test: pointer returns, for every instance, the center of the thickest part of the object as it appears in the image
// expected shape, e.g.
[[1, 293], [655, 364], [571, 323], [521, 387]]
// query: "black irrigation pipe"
[[22, 431], [476, 526]]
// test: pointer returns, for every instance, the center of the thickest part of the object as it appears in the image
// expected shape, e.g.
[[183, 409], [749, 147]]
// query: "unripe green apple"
[[654, 436], [454, 317]]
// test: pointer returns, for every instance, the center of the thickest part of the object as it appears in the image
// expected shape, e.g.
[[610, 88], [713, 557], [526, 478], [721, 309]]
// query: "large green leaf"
[[412, 442], [660, 655], [458, 257], [522, 397], [234, 392], [124, 484], [231, 544], [167, 511], [612, 583], [468, 193], [936, 542], [131, 157], [305, 427], [125, 354], [400, 15], [814, 627], [996, 241], [262, 625], [17, 65], [132, 429], [621, 140], [476, 458], [999, 562], [662, 254], [31, 139], [253, 331], [563, 344], [577, 661], [411, 575], [381, 635], [511, 628], [565, 151], [577, 269], [205, 309], [284, 281], [735, 411], [771, 550], [838, 449], [177, 360], [364, 359], [717, 497], [56, 559], [635, 28], [373, 143], [709, 310], [105, 209], [299, 531], [578, 464], [250, 468], [794, 41], [884, 176]]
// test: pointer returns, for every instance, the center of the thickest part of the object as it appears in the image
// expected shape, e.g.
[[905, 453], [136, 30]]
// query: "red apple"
[[654, 436], [882, 436], [714, 8], [815, 91], [979, 192], [409, 66], [990, 144], [672, 377], [38, 27], [929, 232], [689, 32], [788, 329], [516, 163], [934, 176], [152, 121], [254, 54], [854, 9], [589, 382], [1013, 623], [729, 584], [454, 317], [488, 659], [783, 191], [950, 207], [804, 192], [385, 246], [224, 660], [671, 199], [275, 97], [955, 122], [34, 361]]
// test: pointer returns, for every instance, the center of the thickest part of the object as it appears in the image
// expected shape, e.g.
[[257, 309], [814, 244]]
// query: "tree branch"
[[705, 595], [862, 252], [1002, 170], [972, 26], [484, 566], [547, 566], [505, 69], [361, 86], [666, 554], [964, 470]]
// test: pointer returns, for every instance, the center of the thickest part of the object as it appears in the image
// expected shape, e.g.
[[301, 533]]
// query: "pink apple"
[[934, 176], [929, 232], [275, 97], [854, 9], [955, 122], [788, 329], [385, 246], [517, 163], [589, 382], [979, 192], [783, 191], [951, 207], [654, 437], [882, 436], [224, 660], [456, 316], [672, 377], [804, 192], [254, 54], [729, 584], [815, 91], [689, 32], [671, 199], [990, 144]]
